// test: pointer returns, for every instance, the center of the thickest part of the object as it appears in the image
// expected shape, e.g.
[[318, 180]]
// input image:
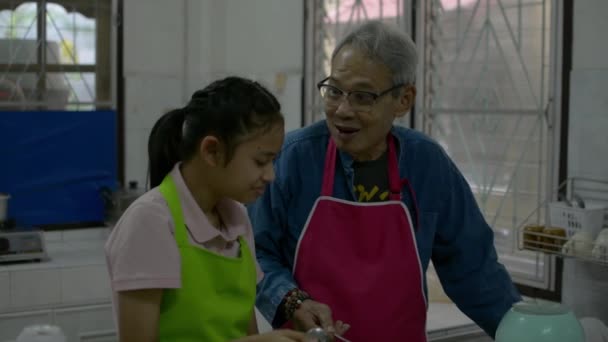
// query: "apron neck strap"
[[330, 169], [393, 170], [394, 181], [169, 191]]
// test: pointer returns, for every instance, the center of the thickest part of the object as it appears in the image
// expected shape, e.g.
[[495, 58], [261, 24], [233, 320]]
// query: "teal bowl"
[[539, 322]]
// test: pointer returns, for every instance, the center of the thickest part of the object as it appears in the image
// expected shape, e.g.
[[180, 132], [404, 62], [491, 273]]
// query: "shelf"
[[567, 230], [562, 246]]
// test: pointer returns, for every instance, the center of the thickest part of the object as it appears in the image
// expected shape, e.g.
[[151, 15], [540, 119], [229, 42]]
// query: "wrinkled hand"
[[276, 336], [313, 314]]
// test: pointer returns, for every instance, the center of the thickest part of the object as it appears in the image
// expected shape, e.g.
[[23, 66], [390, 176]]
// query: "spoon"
[[319, 335]]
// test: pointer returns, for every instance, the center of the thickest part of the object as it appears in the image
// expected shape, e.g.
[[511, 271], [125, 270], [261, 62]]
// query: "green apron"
[[216, 300]]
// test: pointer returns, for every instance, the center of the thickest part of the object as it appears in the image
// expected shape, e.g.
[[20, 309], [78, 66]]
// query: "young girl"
[[181, 258]]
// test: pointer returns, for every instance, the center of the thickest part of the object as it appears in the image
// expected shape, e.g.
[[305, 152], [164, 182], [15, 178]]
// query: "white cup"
[[600, 250], [579, 245]]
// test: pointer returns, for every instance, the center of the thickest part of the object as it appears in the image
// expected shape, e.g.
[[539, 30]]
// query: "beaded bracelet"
[[293, 300]]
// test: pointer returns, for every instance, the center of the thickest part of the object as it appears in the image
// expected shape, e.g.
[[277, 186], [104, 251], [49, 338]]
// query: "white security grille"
[[487, 70]]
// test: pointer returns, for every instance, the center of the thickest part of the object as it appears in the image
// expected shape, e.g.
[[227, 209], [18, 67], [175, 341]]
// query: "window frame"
[[105, 65]]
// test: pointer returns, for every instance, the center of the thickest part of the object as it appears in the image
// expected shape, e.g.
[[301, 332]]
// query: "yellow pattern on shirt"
[[368, 196]]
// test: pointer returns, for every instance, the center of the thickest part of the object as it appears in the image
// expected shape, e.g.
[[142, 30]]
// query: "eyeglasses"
[[358, 99]]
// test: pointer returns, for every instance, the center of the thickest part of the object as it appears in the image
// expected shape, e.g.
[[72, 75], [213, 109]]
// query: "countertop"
[[70, 248]]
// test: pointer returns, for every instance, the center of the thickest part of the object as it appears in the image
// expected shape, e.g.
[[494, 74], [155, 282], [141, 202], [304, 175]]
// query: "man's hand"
[[313, 314]]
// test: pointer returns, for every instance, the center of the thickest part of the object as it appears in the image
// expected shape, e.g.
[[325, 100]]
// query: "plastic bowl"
[[539, 322]]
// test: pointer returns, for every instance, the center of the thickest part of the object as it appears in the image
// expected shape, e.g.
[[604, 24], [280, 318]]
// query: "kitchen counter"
[[70, 289], [68, 249], [446, 320], [74, 274]]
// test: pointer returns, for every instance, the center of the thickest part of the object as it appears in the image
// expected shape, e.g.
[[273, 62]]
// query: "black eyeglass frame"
[[375, 96]]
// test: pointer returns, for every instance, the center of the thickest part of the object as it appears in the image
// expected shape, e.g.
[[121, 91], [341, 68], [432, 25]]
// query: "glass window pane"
[[18, 44], [77, 72], [488, 84], [18, 20], [71, 34], [70, 90], [15, 89]]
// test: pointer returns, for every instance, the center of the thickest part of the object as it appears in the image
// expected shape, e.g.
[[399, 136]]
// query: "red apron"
[[361, 259]]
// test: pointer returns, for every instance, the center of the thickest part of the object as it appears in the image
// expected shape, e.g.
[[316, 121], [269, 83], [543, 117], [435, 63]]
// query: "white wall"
[[172, 48], [154, 51], [585, 285], [588, 131], [264, 39]]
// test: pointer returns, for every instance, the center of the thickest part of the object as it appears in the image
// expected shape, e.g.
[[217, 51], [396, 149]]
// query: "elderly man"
[[359, 207]]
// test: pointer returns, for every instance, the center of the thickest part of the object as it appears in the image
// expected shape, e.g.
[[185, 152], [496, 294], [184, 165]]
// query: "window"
[[55, 55], [57, 105], [486, 97], [486, 84]]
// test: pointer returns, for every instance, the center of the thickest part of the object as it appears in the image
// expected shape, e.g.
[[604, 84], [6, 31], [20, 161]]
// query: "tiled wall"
[[71, 289], [585, 285], [585, 289], [173, 48], [76, 275], [153, 67]]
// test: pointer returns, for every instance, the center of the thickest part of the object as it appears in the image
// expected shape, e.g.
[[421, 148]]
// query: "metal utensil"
[[320, 335], [341, 338], [317, 334]]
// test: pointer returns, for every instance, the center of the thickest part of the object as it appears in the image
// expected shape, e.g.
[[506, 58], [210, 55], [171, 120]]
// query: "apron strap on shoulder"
[[169, 191]]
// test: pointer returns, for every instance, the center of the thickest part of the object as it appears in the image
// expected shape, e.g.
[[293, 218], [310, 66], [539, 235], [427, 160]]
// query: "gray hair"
[[386, 45]]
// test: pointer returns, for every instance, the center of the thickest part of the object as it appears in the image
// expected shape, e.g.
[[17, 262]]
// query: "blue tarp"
[[54, 163]]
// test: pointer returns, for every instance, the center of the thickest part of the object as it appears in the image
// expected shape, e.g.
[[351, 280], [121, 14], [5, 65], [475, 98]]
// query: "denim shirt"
[[451, 229]]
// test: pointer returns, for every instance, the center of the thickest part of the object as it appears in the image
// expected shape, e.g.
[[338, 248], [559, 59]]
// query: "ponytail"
[[164, 145]]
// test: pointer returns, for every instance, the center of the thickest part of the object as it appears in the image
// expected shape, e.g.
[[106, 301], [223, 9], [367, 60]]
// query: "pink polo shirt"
[[141, 252]]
